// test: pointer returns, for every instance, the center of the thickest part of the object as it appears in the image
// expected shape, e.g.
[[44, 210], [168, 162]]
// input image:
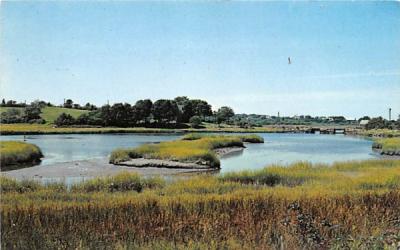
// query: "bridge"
[[318, 130]]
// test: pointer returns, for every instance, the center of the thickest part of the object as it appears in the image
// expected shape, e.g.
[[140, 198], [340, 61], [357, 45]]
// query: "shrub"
[[195, 121], [65, 120]]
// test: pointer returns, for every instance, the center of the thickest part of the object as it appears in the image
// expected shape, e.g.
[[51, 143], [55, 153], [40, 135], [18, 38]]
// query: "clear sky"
[[345, 55]]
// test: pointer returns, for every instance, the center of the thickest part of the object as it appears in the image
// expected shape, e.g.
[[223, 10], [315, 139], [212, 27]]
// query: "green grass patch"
[[50, 114], [15, 153]]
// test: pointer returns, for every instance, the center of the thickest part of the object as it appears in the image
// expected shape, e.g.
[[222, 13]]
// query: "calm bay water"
[[278, 148]]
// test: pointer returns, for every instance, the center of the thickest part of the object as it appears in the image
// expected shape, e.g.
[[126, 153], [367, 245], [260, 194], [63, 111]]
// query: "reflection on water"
[[277, 149]]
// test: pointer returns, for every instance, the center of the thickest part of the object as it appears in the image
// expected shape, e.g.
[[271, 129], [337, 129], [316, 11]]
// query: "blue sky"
[[345, 55]]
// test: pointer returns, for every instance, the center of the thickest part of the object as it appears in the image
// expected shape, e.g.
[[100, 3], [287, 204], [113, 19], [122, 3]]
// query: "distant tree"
[[195, 121], [376, 123], [91, 118], [89, 106], [105, 115], [181, 100], [3, 102], [364, 118], [121, 115], [142, 110], [68, 103], [165, 111], [202, 108], [33, 111], [65, 120], [12, 115], [195, 107], [11, 103], [76, 106], [224, 113]]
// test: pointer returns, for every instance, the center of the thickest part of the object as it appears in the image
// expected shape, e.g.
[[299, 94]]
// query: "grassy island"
[[14, 153], [350, 205], [195, 148]]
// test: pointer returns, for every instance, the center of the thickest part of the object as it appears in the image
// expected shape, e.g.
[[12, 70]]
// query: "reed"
[[351, 205], [252, 138], [390, 146], [187, 150], [17, 153]]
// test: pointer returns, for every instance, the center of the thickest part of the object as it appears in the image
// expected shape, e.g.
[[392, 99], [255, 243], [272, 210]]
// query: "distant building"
[[364, 122]]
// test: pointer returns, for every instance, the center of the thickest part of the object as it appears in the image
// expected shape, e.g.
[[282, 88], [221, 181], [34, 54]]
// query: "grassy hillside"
[[51, 113]]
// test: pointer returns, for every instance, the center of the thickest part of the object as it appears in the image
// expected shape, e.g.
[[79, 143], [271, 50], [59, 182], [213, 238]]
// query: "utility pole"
[[390, 114]]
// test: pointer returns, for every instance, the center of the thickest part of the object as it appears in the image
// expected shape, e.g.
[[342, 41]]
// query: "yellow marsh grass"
[[14, 152], [245, 138], [199, 150], [22, 128], [308, 206], [389, 144]]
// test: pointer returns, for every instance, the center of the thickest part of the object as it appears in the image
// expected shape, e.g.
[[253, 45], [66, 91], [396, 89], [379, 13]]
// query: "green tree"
[[32, 112], [65, 120], [224, 113], [195, 107], [195, 121], [12, 115], [68, 103], [142, 110], [165, 111], [377, 123]]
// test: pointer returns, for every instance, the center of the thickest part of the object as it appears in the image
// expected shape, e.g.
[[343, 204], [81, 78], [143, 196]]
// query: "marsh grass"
[[198, 150], [15, 153], [121, 182], [251, 138], [311, 206], [388, 145], [380, 133]]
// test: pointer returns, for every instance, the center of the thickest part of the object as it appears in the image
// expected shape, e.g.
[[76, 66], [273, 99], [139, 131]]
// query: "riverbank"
[[34, 129], [387, 146], [87, 169]]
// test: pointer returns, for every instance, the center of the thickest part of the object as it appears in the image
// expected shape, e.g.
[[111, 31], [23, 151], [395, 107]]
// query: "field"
[[192, 148], [50, 114], [352, 205], [14, 153]]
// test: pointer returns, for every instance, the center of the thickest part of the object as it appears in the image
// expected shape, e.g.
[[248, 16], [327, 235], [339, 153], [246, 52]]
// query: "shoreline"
[[159, 163], [100, 167]]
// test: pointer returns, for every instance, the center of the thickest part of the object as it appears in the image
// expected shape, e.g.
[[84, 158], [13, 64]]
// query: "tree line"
[[161, 113]]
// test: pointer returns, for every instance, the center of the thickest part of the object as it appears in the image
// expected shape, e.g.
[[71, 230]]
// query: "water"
[[289, 148], [278, 148], [75, 147]]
